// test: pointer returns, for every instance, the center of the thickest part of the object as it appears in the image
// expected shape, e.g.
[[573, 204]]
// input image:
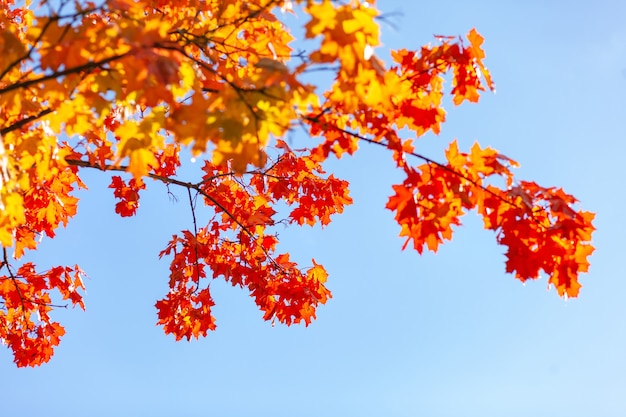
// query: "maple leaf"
[[128, 194]]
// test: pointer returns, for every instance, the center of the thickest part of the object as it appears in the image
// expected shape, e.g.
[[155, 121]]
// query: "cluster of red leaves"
[[26, 302], [537, 225], [127, 193], [26, 326], [239, 244]]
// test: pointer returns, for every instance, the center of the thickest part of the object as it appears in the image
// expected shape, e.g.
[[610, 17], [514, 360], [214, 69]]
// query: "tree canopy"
[[123, 87]]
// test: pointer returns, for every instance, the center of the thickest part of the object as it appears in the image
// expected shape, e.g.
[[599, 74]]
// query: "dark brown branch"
[[426, 159], [73, 70], [25, 121], [19, 124], [188, 185]]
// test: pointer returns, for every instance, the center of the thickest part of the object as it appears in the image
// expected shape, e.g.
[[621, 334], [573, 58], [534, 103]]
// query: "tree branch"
[[189, 186], [426, 159], [25, 121], [73, 70]]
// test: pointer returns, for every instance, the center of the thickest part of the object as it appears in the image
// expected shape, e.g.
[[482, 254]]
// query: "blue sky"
[[446, 334]]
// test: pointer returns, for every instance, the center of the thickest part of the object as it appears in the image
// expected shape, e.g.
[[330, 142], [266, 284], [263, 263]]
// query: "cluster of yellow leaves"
[[123, 85]]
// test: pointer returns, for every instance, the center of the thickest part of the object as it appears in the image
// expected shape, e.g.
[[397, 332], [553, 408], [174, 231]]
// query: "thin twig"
[[15, 283], [195, 234]]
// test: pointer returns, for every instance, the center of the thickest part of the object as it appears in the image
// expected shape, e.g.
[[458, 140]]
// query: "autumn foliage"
[[121, 86]]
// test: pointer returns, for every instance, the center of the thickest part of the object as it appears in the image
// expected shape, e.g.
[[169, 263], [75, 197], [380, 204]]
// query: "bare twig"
[[195, 234], [15, 283]]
